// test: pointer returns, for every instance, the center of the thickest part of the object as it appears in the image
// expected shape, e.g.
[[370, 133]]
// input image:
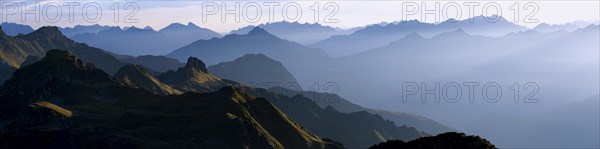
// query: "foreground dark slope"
[[61, 102], [441, 141], [340, 104], [354, 130]]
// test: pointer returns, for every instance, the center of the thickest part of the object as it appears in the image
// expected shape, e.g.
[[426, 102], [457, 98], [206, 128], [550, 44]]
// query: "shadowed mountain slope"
[[194, 77], [61, 101], [137, 76], [255, 70]]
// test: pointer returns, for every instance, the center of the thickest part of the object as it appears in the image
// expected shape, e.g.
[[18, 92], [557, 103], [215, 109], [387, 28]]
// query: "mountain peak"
[[195, 63], [413, 35], [48, 31], [258, 31], [459, 31], [180, 26], [148, 28], [258, 56], [175, 25], [190, 24], [454, 34]]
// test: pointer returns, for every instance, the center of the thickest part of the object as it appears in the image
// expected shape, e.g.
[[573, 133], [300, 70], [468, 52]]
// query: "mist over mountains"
[[375, 36], [142, 74]]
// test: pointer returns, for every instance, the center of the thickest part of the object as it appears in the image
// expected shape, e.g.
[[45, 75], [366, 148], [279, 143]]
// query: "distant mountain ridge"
[[13, 29], [82, 29], [375, 36], [303, 33], [136, 41]]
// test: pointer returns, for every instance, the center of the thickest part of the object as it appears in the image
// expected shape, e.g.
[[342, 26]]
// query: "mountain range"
[[560, 59], [76, 98], [71, 104], [15, 49]]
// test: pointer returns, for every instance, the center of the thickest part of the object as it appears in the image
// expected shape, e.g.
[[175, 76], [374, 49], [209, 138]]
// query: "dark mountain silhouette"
[[324, 100], [13, 29], [194, 77], [354, 130], [303, 33], [378, 36], [14, 50], [441, 141], [82, 29], [135, 41], [359, 129], [137, 76], [61, 101], [299, 60], [159, 64], [254, 69]]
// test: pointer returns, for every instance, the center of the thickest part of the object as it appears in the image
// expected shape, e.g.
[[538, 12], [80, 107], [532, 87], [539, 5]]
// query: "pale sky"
[[343, 14]]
